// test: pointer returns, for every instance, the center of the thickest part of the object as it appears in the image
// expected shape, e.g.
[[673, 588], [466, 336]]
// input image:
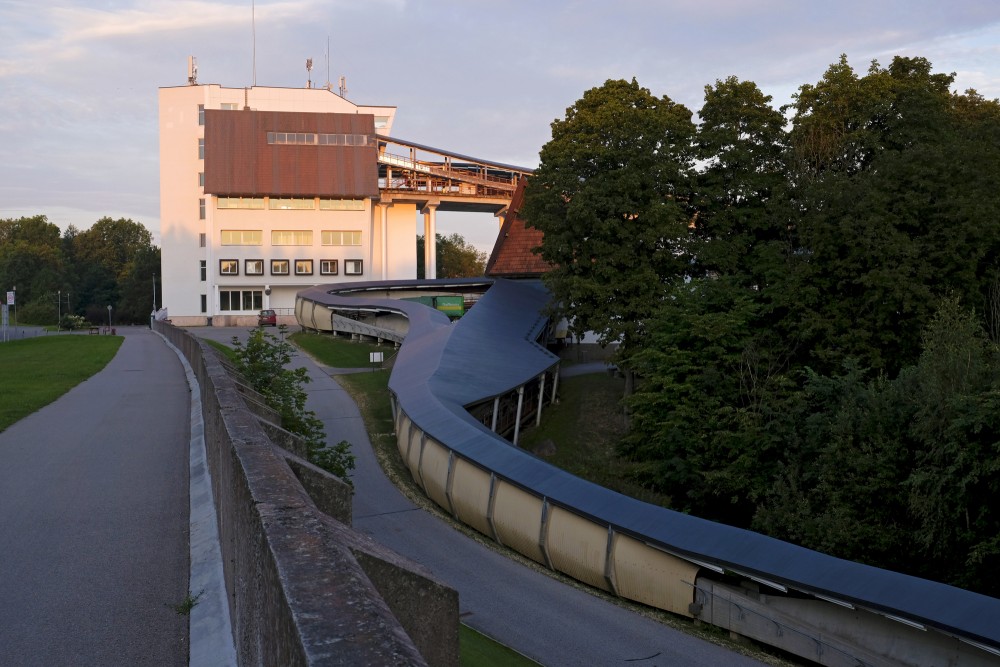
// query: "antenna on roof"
[[329, 86], [342, 86], [253, 37], [309, 70], [192, 71]]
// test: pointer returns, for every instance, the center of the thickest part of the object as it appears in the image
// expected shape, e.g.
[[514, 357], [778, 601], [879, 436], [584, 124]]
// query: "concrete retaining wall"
[[304, 589]]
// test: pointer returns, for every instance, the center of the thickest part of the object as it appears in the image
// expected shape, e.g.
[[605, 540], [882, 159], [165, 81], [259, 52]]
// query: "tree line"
[[78, 272], [808, 300]]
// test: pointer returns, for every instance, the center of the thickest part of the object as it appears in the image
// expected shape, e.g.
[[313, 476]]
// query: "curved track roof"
[[444, 366]]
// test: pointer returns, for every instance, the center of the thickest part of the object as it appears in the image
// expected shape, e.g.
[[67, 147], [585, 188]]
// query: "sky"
[[79, 80]]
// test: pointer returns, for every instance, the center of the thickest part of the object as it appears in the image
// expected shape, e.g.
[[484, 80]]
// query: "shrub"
[[263, 362], [72, 322]]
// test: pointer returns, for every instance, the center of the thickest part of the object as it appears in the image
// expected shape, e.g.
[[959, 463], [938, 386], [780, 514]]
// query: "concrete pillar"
[[430, 241], [384, 241]]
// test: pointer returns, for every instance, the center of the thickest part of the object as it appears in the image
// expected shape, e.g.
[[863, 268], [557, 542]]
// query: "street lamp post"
[[109, 318], [59, 310]]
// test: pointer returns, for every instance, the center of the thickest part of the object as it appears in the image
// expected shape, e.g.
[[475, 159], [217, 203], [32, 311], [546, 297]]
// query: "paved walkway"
[[94, 518]]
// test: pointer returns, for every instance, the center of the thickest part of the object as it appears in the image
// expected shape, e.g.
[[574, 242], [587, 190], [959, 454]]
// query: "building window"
[[201, 114], [352, 267], [303, 267], [241, 300], [279, 267], [242, 237], [340, 238], [292, 237], [229, 267], [341, 204], [230, 106], [240, 202], [311, 139], [253, 267], [201, 209], [202, 239], [201, 179], [204, 270], [291, 203], [204, 303], [328, 267], [201, 149], [381, 122]]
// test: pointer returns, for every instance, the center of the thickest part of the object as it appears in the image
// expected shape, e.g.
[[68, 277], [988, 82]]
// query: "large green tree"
[[114, 262], [32, 261], [612, 195], [741, 142], [896, 212], [813, 376]]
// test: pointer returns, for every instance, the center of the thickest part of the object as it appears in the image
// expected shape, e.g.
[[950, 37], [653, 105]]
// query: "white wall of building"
[[190, 237]]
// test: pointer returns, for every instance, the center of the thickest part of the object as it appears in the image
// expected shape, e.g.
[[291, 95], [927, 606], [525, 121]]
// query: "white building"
[[266, 191]]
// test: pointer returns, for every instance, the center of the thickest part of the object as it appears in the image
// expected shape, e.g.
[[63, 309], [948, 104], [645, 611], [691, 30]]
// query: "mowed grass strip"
[[478, 650], [37, 371], [227, 352], [337, 352]]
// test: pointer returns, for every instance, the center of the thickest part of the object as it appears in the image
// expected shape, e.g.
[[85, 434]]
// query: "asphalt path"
[[94, 518], [549, 621]]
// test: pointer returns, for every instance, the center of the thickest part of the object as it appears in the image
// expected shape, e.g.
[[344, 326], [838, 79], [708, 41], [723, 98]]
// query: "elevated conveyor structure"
[[409, 171], [434, 179], [825, 609]]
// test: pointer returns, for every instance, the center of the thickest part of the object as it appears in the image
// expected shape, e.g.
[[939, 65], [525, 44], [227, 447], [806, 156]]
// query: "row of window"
[[280, 267], [290, 203], [299, 237], [238, 300], [315, 139], [230, 300]]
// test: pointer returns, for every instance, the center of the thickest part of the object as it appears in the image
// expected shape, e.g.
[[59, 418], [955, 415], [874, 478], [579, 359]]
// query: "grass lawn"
[[585, 428], [37, 371], [478, 650], [338, 352]]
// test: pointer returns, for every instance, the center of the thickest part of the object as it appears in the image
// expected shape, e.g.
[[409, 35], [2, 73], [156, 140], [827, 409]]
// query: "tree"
[[114, 245], [136, 289], [455, 257], [612, 196], [32, 260], [111, 261], [900, 214], [741, 141]]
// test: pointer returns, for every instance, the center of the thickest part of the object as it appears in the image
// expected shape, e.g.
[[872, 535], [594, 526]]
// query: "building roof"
[[512, 256]]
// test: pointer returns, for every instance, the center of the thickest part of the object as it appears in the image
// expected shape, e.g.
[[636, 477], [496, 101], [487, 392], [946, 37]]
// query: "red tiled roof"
[[512, 256]]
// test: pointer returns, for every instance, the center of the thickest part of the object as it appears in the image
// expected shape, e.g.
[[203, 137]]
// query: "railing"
[[450, 173]]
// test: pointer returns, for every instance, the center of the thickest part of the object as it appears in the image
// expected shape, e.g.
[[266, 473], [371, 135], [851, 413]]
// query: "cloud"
[[79, 78]]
